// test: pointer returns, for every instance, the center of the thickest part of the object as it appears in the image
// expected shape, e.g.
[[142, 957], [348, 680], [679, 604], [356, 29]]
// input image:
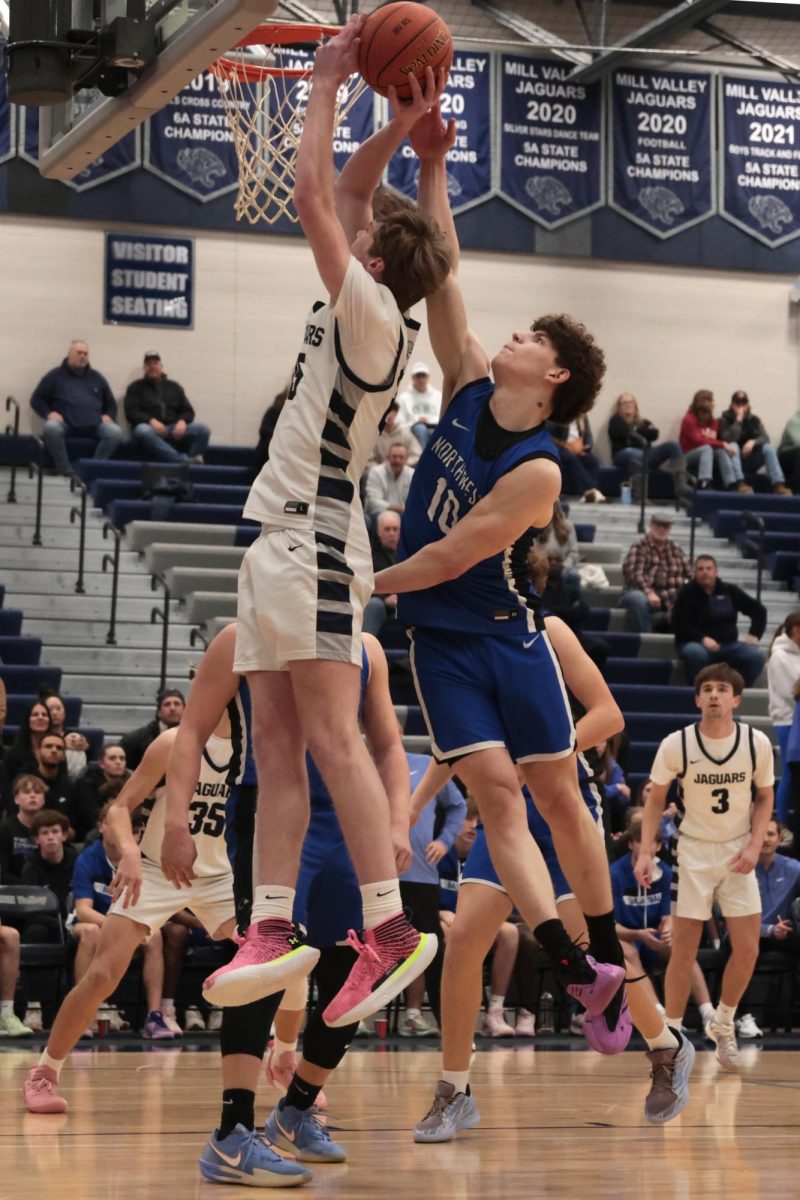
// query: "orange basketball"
[[399, 40]]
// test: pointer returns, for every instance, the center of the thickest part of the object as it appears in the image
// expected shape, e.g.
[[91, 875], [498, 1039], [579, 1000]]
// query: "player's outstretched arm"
[[651, 819], [523, 497], [363, 171], [457, 350], [145, 779], [213, 687], [603, 716], [385, 746]]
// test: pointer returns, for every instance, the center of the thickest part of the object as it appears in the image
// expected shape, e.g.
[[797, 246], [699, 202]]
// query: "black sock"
[[238, 1108], [569, 959], [300, 1094], [605, 947]]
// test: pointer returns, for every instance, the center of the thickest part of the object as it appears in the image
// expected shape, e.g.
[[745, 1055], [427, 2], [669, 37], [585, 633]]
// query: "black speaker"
[[38, 68]]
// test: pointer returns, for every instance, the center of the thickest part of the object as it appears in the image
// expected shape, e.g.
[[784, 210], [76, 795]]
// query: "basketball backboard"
[[193, 34]]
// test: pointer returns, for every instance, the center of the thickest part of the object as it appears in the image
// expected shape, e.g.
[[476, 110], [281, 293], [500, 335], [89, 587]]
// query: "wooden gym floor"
[[566, 1125]]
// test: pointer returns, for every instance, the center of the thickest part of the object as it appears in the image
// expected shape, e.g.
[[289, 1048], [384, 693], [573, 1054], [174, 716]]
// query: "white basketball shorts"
[[210, 898], [702, 875]]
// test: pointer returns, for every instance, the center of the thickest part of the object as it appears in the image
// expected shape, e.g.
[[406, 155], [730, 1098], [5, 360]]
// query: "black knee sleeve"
[[323, 1046], [245, 1029]]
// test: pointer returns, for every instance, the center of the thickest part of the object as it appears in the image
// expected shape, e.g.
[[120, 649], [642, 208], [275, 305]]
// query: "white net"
[[265, 107]]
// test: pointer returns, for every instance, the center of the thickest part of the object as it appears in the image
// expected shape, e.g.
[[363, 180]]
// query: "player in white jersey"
[[304, 583], [725, 776]]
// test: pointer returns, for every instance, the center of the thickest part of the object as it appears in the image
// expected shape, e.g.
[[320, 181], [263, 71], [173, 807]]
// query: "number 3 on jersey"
[[721, 796], [444, 507]]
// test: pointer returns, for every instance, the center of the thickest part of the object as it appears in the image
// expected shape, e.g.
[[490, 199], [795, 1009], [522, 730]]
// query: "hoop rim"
[[272, 33]]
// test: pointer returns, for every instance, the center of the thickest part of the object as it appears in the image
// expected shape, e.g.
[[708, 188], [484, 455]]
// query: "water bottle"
[[626, 493], [546, 1018]]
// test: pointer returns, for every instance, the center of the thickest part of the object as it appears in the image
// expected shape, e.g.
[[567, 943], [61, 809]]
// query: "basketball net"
[[265, 106]]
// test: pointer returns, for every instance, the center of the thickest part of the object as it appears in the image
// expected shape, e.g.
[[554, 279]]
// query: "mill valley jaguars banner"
[[467, 101], [551, 164], [760, 157], [149, 281], [117, 160], [661, 149]]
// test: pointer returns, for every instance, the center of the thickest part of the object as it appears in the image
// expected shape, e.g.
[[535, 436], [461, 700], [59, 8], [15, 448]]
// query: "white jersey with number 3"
[[206, 813], [716, 778]]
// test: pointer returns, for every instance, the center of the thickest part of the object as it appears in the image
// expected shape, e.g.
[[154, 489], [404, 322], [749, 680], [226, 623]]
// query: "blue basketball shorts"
[[479, 867], [327, 897], [479, 691]]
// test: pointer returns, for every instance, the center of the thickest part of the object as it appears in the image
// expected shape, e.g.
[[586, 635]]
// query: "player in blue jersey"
[[489, 684], [328, 901], [483, 904]]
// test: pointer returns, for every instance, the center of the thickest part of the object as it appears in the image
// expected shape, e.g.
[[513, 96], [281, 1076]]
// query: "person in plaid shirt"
[[654, 571]]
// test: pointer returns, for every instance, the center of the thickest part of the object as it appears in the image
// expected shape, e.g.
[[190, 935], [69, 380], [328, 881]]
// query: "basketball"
[[399, 40]]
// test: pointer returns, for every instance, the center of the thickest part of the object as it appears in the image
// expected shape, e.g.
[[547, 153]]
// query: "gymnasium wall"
[[666, 330]]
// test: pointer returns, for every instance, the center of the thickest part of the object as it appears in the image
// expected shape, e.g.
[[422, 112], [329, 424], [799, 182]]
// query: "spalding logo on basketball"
[[399, 40]]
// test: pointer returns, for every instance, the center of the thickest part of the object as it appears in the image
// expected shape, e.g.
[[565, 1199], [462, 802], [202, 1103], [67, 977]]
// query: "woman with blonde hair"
[[629, 433], [705, 449]]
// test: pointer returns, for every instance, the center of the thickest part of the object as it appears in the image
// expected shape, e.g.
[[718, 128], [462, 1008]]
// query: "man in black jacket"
[[170, 704], [75, 399], [704, 622], [740, 425], [161, 417]]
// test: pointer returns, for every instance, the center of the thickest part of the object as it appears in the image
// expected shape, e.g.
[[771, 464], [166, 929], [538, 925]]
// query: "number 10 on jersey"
[[444, 507]]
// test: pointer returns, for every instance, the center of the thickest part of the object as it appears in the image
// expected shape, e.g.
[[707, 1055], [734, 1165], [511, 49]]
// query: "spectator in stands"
[[779, 884], [385, 540], [793, 763], [91, 883], [75, 743], [388, 484], [21, 755], [395, 433], [654, 570], [51, 767], [3, 712], [161, 418], [53, 861], [567, 603], [705, 449], [420, 405], [10, 1024], [629, 434], [170, 704], [783, 673], [738, 424], [560, 539], [75, 399], [437, 824], [580, 467], [15, 831], [616, 790], [103, 781], [644, 921], [789, 452], [450, 866], [704, 624], [267, 428]]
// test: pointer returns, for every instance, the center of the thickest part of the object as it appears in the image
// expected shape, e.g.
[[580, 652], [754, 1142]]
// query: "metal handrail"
[[644, 467], [751, 518], [12, 431], [113, 561], [196, 636], [687, 503], [163, 615], [74, 514], [38, 468]]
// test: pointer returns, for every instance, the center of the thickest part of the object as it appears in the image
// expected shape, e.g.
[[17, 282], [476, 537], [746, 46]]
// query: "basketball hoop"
[[264, 101]]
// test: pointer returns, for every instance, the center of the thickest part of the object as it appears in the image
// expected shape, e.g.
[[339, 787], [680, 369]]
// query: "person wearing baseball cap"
[[654, 570], [161, 418], [740, 425], [420, 405]]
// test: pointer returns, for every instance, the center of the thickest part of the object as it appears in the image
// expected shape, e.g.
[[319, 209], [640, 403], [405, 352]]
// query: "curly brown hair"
[[416, 257], [576, 350], [702, 403]]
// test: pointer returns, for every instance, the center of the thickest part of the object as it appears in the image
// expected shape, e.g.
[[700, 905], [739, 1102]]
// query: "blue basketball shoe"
[[244, 1157], [669, 1088], [450, 1112], [300, 1131]]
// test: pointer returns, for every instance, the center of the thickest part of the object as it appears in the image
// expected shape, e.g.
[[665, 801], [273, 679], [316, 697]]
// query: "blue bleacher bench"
[[27, 680], [10, 621], [19, 651]]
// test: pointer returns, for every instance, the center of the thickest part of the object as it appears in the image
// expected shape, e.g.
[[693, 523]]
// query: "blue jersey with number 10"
[[466, 456]]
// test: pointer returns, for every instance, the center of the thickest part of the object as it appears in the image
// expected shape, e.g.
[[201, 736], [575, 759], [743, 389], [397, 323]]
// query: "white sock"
[[167, 1006], [279, 1047], [725, 1014], [459, 1079], [380, 901], [706, 1011], [496, 1001], [674, 1022], [6, 1008], [55, 1064], [272, 900], [666, 1040]]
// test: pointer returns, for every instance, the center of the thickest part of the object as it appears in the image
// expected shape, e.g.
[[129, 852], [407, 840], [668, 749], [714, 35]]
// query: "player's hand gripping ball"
[[399, 40]]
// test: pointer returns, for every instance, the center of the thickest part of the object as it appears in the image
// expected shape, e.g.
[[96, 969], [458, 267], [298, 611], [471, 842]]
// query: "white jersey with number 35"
[[206, 812], [716, 777]]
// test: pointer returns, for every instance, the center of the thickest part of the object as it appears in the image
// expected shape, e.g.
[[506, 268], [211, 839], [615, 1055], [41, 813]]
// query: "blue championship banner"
[[551, 162], [149, 281], [190, 145], [117, 160], [8, 132], [467, 101], [760, 157], [661, 149]]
